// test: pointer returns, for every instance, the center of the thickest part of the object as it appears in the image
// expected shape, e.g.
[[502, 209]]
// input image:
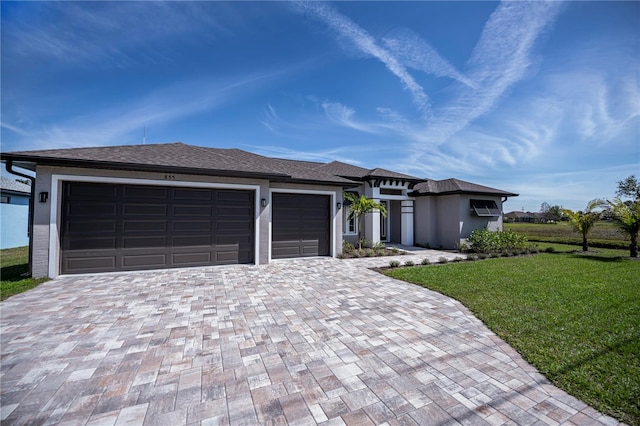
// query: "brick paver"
[[306, 341]]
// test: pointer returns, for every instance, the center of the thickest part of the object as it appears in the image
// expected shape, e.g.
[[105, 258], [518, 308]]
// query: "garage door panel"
[[92, 191], [301, 225], [139, 192], [190, 241], [146, 261], [152, 227], [192, 258], [132, 226], [192, 226], [185, 194], [194, 210], [145, 210], [108, 243], [143, 242], [92, 209], [80, 265], [85, 226]]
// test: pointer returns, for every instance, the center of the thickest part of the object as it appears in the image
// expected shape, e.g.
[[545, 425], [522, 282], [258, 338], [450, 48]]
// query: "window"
[[5, 199], [387, 191], [350, 225], [484, 208]]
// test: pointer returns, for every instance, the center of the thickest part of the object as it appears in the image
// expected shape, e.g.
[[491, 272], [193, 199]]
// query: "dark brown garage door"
[[301, 225], [110, 227]]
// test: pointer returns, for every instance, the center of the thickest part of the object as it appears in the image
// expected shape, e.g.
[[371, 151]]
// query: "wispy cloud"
[[343, 154], [367, 44], [124, 123], [414, 52], [113, 34], [501, 59]]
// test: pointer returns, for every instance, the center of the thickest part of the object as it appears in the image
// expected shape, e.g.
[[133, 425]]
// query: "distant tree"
[[630, 187], [25, 181], [551, 213], [627, 217], [583, 221], [358, 207]]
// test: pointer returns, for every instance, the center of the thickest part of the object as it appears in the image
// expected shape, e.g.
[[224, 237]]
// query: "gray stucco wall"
[[469, 221]]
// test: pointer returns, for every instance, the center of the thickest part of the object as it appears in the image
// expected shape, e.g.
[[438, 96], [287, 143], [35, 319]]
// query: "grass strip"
[[14, 263]]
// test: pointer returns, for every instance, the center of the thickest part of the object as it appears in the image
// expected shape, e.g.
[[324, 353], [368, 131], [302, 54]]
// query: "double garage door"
[[122, 227], [118, 227]]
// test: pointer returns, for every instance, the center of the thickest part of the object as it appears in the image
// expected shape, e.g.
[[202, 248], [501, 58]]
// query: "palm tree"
[[358, 207], [583, 221], [627, 217]]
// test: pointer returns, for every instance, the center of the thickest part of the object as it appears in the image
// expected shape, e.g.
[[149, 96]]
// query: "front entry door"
[[384, 223]]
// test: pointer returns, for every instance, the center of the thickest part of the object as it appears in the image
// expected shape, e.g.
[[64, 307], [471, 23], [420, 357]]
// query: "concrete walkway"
[[309, 341]]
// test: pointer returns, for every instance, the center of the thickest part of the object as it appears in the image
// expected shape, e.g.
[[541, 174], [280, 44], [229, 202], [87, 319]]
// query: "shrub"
[[485, 241], [378, 246], [425, 261], [443, 259], [409, 263], [347, 247], [394, 263], [549, 249]]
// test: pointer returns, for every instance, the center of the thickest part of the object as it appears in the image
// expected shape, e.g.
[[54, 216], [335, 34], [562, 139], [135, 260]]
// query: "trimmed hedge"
[[485, 241]]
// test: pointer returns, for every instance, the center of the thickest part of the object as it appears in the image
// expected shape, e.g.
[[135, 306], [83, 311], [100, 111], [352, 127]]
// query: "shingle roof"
[[339, 168], [351, 171], [390, 174], [13, 185], [179, 156], [453, 186]]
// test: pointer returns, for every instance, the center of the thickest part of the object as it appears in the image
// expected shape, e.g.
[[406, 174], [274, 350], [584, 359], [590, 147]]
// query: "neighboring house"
[[520, 216], [14, 213], [142, 207]]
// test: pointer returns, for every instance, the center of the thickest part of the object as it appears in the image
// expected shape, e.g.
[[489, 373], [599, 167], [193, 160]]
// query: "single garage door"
[[113, 227], [301, 225]]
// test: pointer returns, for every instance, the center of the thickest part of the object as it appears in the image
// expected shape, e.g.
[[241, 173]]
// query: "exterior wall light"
[[263, 202], [339, 205], [44, 196]]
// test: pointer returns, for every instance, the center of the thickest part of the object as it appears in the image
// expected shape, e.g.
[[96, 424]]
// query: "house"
[[520, 216], [14, 213], [137, 207]]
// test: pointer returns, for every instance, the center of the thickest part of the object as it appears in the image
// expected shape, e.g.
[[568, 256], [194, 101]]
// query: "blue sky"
[[541, 99]]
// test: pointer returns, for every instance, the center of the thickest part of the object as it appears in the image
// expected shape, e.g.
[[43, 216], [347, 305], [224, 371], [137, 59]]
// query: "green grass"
[[604, 234], [13, 263], [574, 316]]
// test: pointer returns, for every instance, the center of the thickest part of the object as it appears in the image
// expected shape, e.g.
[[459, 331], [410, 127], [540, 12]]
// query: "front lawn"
[[13, 263], [574, 316]]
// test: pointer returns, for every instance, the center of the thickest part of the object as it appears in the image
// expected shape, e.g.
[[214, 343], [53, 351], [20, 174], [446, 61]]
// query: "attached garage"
[[122, 227], [301, 225]]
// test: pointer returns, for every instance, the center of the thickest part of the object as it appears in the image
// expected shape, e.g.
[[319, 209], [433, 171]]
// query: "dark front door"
[[301, 225], [118, 227]]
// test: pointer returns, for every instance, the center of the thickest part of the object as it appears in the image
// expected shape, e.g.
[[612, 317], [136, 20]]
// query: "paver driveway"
[[299, 342]]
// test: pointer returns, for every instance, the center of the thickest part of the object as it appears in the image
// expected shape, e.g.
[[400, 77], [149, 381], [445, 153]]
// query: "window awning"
[[485, 208]]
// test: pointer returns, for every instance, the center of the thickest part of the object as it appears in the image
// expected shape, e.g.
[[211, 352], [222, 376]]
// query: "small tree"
[[583, 221], [551, 213], [358, 207], [627, 216], [630, 187]]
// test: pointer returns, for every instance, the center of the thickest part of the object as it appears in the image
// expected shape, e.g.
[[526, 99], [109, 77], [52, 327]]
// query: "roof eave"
[[19, 160]]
